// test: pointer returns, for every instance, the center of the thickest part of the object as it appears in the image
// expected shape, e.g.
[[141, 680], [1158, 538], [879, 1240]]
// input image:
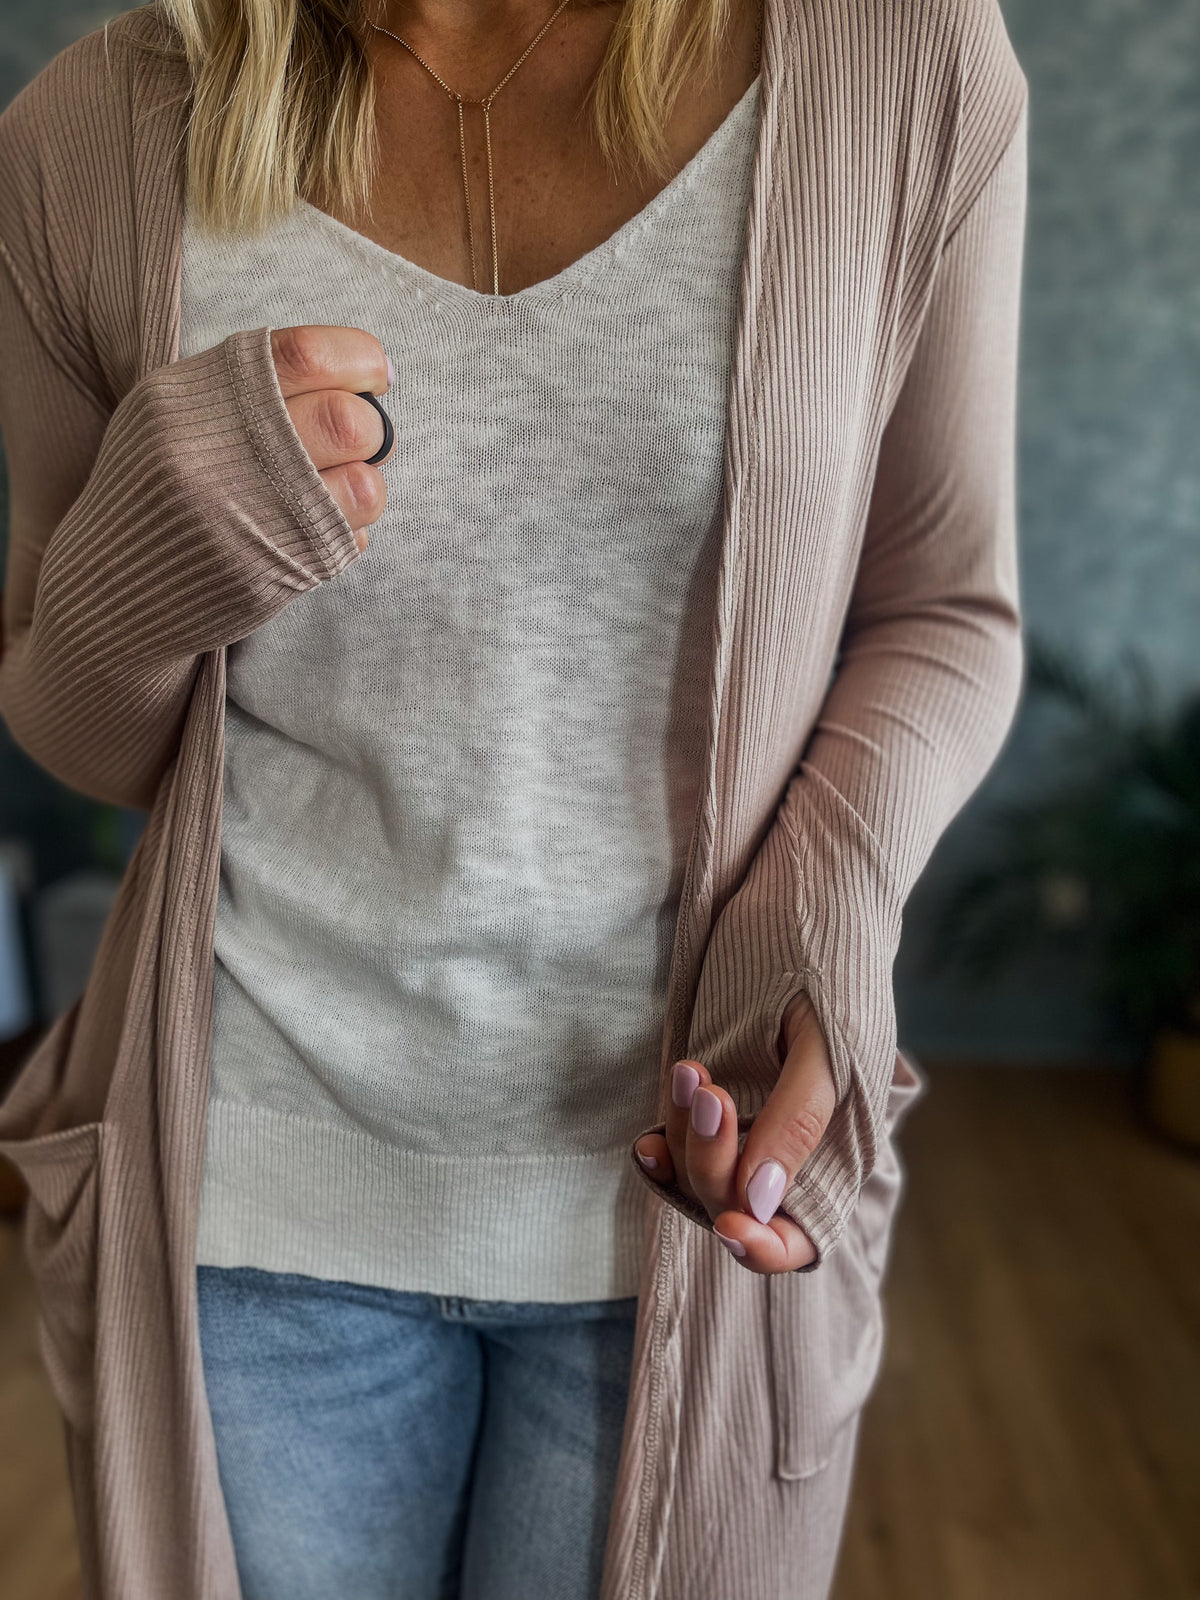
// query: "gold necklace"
[[486, 103]]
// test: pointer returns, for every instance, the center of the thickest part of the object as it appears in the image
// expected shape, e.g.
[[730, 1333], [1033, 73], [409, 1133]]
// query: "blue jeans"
[[385, 1445]]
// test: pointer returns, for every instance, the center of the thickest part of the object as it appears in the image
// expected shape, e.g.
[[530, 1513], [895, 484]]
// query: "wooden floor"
[[1035, 1434], [37, 1536]]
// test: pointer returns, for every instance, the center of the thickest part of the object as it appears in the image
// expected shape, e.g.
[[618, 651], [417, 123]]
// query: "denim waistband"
[[449, 1307]]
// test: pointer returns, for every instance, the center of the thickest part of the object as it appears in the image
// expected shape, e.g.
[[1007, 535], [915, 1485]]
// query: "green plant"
[[1107, 858], [106, 839], [97, 822]]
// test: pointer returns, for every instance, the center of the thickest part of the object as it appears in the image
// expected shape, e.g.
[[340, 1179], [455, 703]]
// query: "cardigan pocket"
[[826, 1327], [61, 1173]]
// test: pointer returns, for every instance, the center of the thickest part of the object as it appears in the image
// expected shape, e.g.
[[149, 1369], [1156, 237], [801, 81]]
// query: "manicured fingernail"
[[734, 1246], [706, 1113], [649, 1162], [684, 1080], [765, 1189], [391, 372]]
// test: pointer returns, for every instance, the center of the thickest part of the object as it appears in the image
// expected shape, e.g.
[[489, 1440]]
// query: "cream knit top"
[[460, 779]]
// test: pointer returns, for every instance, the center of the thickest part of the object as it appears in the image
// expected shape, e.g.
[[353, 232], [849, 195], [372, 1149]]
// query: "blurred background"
[[1035, 1433]]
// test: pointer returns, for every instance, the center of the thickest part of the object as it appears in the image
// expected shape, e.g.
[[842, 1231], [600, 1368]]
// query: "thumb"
[[793, 1119]]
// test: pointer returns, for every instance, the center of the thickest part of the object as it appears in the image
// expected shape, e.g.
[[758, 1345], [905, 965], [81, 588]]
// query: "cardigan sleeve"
[[924, 692], [154, 515], [140, 538]]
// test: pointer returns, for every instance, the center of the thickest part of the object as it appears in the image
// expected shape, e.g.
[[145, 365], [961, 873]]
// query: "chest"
[[828, 307], [553, 194], [556, 483]]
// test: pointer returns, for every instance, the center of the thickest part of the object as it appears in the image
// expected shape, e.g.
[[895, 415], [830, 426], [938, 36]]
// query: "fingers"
[[702, 1136], [777, 1246], [323, 373], [654, 1155], [361, 493], [314, 357], [686, 1078], [792, 1122], [670, 1153], [710, 1155], [698, 1150], [337, 427]]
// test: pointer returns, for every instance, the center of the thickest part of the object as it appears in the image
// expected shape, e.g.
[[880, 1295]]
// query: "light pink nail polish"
[[706, 1113], [649, 1162], [734, 1246], [765, 1189], [684, 1082], [391, 372]]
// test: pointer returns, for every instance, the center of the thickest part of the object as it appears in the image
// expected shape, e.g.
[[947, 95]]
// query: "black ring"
[[389, 433]]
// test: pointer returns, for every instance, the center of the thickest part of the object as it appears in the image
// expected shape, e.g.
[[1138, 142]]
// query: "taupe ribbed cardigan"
[[866, 669]]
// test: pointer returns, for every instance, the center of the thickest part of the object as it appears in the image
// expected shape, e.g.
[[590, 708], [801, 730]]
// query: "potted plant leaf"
[[1106, 858]]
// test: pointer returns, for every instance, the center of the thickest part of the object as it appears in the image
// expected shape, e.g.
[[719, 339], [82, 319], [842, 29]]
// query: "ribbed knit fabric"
[[866, 665], [460, 781]]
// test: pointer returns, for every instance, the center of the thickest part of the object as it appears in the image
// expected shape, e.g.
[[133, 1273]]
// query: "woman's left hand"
[[700, 1147]]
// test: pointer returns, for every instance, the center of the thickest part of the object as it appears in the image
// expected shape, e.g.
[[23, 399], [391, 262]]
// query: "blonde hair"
[[283, 98]]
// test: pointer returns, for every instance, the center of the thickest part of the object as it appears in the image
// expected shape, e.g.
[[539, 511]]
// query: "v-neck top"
[[460, 780]]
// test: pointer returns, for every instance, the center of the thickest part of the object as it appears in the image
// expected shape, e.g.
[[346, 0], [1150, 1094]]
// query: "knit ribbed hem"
[[289, 1195]]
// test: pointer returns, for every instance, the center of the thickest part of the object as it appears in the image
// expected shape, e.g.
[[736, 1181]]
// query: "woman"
[[687, 621]]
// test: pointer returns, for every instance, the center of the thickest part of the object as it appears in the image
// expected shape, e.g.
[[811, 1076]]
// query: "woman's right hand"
[[322, 372]]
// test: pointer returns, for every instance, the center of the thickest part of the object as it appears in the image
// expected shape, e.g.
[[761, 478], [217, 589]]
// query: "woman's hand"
[[700, 1148], [322, 373]]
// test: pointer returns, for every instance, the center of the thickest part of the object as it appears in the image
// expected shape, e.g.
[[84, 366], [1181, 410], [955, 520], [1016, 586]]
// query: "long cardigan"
[[865, 672]]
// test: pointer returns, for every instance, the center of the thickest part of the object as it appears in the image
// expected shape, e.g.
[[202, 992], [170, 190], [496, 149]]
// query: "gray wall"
[[1109, 404], [1109, 470]]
